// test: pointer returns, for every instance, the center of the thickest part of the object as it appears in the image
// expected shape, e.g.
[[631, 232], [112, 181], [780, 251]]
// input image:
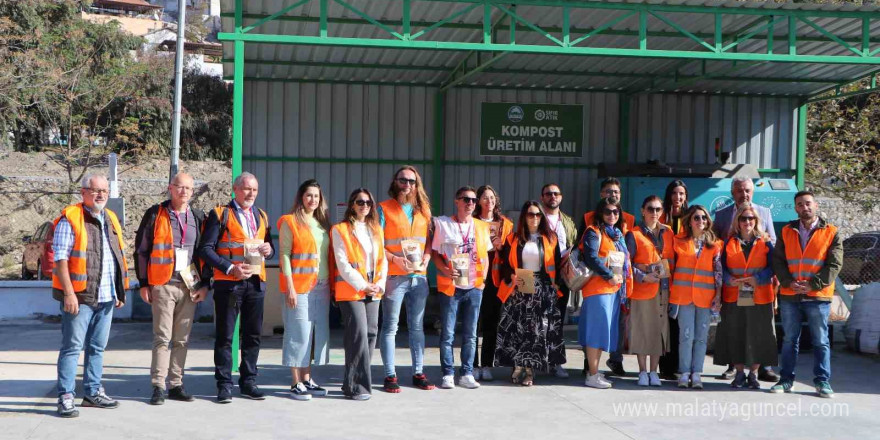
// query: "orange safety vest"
[[693, 279], [358, 260], [506, 229], [231, 244], [804, 264], [162, 255], [481, 236], [597, 285], [646, 253], [304, 256], [629, 221], [739, 267], [398, 228], [76, 262], [505, 289]]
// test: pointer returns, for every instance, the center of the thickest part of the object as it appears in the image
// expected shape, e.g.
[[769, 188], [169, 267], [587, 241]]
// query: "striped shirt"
[[62, 244]]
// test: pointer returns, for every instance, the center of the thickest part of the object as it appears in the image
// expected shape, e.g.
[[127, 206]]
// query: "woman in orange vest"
[[527, 338], [489, 210], [748, 336], [650, 245], [696, 290], [605, 292], [304, 242], [359, 275], [675, 204]]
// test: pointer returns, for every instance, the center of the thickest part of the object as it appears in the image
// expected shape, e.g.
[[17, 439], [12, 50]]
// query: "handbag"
[[575, 272]]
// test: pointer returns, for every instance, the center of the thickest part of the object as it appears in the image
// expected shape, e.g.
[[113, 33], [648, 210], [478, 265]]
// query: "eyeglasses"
[[611, 191], [96, 192], [534, 214], [181, 187], [364, 202], [654, 209], [552, 194], [701, 218], [468, 200], [747, 219], [611, 212], [405, 181]]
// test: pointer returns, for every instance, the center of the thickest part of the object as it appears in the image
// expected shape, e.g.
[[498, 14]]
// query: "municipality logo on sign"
[[515, 114], [720, 202]]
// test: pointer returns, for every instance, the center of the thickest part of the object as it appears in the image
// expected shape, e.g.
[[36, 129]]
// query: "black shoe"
[[179, 393], [252, 392], [728, 374], [668, 376], [100, 400], [739, 381], [158, 397], [753, 382], [767, 375], [616, 368], [224, 395]]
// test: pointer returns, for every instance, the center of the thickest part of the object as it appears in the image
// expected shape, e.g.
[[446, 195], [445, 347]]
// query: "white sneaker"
[[468, 381], [684, 379], [597, 381], [560, 372], [487, 374], [478, 372], [643, 378], [654, 379], [696, 381], [448, 382]]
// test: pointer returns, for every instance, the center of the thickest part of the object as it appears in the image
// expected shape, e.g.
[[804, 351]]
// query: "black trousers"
[[490, 314], [230, 299], [361, 321], [669, 361]]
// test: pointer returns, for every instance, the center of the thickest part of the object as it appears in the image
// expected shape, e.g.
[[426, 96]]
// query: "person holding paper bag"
[[604, 251], [650, 247], [164, 262], [529, 331], [696, 289], [460, 250], [748, 336], [359, 272], [304, 282]]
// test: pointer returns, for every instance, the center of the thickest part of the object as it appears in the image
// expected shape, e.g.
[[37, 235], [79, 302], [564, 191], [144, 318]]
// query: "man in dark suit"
[[742, 189], [234, 246]]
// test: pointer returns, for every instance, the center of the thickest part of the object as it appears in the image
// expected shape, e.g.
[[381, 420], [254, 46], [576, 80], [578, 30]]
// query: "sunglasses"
[[405, 181], [611, 212], [701, 218], [747, 219], [468, 200], [654, 209], [534, 214], [364, 202], [552, 194]]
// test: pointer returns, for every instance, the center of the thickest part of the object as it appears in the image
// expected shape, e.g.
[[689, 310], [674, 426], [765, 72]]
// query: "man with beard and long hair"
[[406, 220]]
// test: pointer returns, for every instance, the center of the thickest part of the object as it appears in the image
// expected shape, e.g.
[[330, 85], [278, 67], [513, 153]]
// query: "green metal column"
[[623, 128], [237, 123], [801, 145]]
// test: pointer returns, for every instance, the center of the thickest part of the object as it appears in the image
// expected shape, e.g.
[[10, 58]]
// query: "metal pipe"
[[178, 88]]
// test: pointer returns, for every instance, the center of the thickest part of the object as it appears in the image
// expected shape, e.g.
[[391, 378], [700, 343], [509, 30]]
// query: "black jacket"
[[143, 241]]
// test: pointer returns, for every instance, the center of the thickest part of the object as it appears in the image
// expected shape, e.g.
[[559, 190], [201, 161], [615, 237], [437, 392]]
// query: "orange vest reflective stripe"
[[597, 285], [357, 260], [231, 244], [481, 236], [161, 265], [506, 229], [739, 267], [646, 253], [303, 256], [76, 262], [629, 222], [505, 289], [693, 279], [398, 228], [804, 264]]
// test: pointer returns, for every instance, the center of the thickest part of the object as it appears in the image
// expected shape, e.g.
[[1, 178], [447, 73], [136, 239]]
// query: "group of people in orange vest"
[[654, 285]]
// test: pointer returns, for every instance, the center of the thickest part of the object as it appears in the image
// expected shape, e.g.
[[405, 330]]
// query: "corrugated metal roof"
[[395, 66]]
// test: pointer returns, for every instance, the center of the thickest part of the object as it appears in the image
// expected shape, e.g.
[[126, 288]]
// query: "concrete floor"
[[553, 408]]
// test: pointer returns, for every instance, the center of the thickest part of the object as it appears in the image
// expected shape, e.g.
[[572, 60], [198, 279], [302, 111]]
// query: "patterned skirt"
[[530, 330]]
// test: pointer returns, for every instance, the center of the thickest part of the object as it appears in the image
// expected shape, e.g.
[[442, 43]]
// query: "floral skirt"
[[530, 330]]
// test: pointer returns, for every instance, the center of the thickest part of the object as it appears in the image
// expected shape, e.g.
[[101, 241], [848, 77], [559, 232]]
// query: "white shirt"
[[449, 239], [531, 254], [243, 219], [556, 226], [351, 275]]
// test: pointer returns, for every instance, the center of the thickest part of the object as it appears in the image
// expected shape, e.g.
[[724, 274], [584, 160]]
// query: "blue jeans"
[[307, 328], [469, 302], [89, 329], [816, 313], [413, 291], [693, 333]]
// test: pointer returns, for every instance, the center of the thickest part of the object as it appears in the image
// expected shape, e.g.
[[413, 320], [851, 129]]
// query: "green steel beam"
[[448, 24], [801, 146], [346, 160], [237, 123], [437, 180], [871, 76], [463, 71], [544, 49], [274, 16], [868, 91]]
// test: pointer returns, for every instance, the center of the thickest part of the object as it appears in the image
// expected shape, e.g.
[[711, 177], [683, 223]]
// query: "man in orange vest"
[[236, 237], [460, 250], [405, 219], [90, 279], [165, 249], [806, 260]]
